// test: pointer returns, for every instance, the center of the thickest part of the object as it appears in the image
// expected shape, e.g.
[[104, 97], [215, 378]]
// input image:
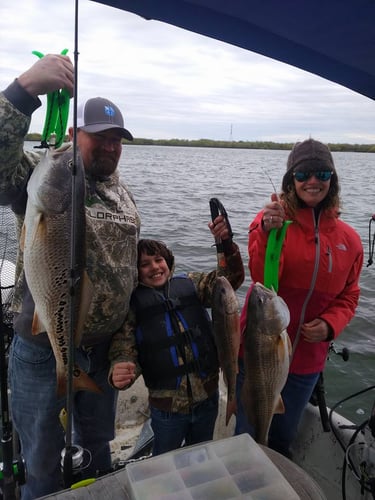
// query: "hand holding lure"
[[275, 242], [217, 208], [57, 113]]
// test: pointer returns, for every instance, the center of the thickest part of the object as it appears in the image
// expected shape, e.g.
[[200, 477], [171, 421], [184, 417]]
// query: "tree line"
[[209, 143]]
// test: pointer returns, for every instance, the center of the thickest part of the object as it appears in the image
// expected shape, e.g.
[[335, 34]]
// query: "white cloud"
[[172, 83]]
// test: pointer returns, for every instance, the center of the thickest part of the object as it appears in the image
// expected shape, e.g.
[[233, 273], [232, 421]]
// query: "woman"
[[319, 271]]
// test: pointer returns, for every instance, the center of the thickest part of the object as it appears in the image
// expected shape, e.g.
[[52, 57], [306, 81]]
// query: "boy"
[[168, 338]]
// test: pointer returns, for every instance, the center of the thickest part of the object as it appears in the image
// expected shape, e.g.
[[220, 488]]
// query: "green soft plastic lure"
[[272, 260], [57, 113]]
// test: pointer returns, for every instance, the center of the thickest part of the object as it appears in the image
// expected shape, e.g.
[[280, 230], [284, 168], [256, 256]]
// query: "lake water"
[[172, 187]]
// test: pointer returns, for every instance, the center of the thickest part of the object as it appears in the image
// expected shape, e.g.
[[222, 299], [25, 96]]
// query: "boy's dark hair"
[[155, 247]]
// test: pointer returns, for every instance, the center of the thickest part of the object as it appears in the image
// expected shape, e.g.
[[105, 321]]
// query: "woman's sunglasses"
[[321, 175]]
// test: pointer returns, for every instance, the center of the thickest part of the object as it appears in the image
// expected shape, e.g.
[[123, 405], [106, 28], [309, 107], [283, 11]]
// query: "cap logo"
[[108, 110]]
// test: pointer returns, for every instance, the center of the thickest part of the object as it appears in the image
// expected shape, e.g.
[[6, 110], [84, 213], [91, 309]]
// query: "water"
[[172, 187]]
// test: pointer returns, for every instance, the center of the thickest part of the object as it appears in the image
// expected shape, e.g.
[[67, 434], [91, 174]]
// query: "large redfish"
[[267, 351], [47, 245], [226, 327]]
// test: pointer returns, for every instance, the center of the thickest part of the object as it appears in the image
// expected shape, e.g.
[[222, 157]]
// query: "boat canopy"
[[334, 39]]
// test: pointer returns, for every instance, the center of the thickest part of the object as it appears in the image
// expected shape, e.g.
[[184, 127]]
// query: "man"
[[112, 230]]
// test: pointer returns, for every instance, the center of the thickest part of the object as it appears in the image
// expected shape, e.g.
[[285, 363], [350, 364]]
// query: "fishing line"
[[271, 181], [358, 430], [370, 388], [68, 456]]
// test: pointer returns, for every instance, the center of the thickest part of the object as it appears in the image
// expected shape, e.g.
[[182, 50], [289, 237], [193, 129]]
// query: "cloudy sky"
[[174, 84]]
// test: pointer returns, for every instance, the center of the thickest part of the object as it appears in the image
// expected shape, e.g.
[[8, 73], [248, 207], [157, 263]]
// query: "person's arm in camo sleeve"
[[233, 270], [123, 355]]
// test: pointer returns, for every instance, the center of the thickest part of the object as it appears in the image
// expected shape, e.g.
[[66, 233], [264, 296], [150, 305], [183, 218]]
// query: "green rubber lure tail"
[[272, 260], [57, 113]]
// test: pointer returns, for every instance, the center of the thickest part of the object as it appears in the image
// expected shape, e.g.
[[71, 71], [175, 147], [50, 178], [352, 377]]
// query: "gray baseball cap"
[[97, 114]]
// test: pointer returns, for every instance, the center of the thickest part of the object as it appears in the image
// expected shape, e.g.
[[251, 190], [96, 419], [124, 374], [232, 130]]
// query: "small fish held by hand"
[[226, 327]]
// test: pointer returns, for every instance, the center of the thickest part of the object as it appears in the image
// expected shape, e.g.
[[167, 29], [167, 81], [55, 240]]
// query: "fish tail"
[[61, 383], [231, 410], [81, 382]]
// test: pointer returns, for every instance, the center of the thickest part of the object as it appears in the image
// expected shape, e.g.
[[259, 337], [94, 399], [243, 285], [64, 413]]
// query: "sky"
[[170, 83]]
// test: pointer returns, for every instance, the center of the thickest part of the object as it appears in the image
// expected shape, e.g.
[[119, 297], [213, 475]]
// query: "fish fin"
[[282, 349], [231, 410], [22, 238], [290, 347], [224, 378], [279, 408], [37, 326], [87, 292], [81, 382]]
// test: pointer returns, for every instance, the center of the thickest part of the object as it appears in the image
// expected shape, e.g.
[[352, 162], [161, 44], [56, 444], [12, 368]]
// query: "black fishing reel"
[[16, 475], [344, 353]]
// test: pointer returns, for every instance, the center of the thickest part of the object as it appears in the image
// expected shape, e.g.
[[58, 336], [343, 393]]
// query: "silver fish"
[[267, 350], [46, 243], [226, 327]]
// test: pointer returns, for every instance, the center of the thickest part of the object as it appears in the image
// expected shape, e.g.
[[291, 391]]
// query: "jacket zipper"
[[329, 253], [312, 283]]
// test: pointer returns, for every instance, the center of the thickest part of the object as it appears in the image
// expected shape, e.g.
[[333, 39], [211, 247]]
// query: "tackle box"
[[230, 468]]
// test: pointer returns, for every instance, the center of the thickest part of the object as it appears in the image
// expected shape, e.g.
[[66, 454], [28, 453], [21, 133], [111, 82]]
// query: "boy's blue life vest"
[[160, 318]]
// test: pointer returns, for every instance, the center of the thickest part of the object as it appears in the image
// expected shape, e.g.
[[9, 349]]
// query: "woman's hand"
[[316, 330], [274, 214]]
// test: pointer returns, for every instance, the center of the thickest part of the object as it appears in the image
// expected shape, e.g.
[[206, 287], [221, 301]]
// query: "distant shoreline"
[[208, 143]]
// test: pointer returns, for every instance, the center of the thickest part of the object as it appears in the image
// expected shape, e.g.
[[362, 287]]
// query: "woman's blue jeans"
[[296, 394], [172, 429], [36, 408]]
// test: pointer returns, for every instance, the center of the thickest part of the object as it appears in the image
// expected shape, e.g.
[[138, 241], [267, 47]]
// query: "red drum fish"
[[46, 242], [226, 327], [267, 350]]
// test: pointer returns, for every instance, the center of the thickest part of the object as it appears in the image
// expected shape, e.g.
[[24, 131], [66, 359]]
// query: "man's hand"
[[52, 72]]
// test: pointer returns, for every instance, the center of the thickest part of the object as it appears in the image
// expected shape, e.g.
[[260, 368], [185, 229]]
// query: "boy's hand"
[[123, 374], [219, 228]]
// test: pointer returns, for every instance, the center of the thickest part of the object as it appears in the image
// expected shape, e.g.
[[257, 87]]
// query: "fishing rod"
[[12, 466], [68, 452], [371, 242], [364, 471]]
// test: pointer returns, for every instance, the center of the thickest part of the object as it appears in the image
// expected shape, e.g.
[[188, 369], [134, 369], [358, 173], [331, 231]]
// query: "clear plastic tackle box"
[[234, 467]]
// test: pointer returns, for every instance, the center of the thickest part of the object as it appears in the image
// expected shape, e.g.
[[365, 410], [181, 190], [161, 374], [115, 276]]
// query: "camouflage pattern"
[[124, 348], [112, 231]]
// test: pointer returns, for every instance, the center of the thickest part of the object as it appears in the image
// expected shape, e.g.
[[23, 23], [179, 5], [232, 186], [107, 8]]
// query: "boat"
[[332, 39]]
